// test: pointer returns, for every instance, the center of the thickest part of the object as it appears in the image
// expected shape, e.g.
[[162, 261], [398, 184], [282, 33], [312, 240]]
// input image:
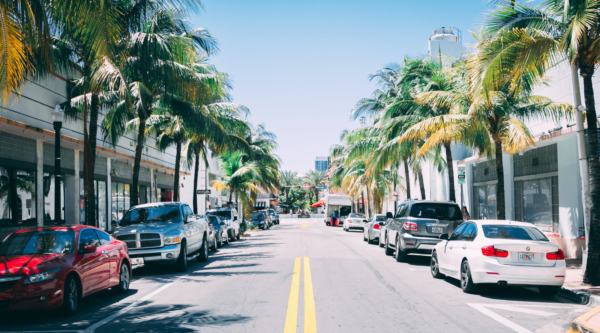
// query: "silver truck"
[[164, 233]]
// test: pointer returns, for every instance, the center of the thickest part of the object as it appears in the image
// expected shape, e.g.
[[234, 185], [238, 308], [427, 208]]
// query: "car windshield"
[[258, 216], [513, 232], [362, 216], [223, 214], [38, 242], [381, 218], [151, 215], [436, 211]]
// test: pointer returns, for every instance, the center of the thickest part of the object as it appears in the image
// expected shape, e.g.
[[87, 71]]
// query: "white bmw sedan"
[[499, 252]]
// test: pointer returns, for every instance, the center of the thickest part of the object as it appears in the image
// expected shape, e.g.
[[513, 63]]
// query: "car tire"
[[203, 256], [379, 241], [124, 280], [364, 237], [466, 282], [400, 253], [388, 251], [549, 291], [214, 246], [182, 264], [220, 241], [71, 297], [238, 236], [369, 240], [226, 240], [435, 267]]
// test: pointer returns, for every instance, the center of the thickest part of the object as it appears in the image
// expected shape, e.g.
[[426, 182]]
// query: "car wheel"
[[364, 237], [388, 251], [181, 264], [70, 297], [238, 236], [548, 291], [369, 240], [379, 241], [214, 246], [124, 280], [435, 267], [203, 256], [226, 240], [400, 253], [466, 282], [220, 241]]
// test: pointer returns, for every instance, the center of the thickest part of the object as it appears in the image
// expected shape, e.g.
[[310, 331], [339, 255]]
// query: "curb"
[[580, 324]]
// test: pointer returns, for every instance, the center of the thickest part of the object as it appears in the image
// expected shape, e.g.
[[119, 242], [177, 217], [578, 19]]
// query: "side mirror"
[[444, 236], [389, 215], [187, 219], [382, 223], [89, 248]]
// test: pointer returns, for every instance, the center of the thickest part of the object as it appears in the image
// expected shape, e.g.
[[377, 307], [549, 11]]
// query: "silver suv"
[[417, 226], [164, 233]]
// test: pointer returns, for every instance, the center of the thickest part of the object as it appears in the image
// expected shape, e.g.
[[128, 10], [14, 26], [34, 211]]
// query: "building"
[[322, 163], [27, 164]]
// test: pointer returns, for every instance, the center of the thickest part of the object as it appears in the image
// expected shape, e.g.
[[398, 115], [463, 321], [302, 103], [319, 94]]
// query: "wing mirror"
[[444, 236], [389, 215], [89, 248]]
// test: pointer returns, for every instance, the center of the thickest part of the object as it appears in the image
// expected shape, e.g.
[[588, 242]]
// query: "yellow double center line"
[[310, 319], [303, 225]]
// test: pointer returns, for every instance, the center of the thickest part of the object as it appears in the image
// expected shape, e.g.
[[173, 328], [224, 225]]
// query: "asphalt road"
[[302, 276]]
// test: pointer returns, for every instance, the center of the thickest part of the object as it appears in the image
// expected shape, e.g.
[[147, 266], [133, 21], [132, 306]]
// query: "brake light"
[[558, 255], [491, 251], [410, 226], [349, 221], [376, 226]]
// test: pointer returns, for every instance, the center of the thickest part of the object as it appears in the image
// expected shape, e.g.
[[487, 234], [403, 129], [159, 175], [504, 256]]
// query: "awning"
[[318, 204]]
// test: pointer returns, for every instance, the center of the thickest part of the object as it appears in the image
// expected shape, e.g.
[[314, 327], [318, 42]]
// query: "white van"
[[342, 204]]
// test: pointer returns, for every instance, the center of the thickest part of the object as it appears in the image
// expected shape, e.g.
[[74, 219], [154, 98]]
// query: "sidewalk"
[[590, 321]]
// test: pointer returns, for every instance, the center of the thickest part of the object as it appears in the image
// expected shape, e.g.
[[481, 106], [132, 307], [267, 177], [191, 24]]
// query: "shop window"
[[100, 195], [120, 201], [17, 196], [49, 183], [485, 202], [536, 201], [166, 195]]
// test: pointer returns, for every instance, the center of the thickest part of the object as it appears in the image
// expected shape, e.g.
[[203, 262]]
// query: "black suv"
[[417, 226]]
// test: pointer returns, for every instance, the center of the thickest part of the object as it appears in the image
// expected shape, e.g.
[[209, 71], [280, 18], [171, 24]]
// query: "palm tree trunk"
[[230, 195], [592, 273], [449, 161], [90, 198], [176, 177], [407, 177], [421, 184], [139, 147], [500, 202], [196, 171]]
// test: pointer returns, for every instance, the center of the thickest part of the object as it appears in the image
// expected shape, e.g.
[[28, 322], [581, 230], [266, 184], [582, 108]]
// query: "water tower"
[[448, 42]]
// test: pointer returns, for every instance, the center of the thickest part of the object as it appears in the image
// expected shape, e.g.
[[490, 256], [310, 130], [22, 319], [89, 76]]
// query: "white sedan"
[[499, 252]]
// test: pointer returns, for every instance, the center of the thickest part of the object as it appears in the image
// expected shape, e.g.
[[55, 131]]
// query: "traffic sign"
[[395, 196], [305, 186], [202, 191], [461, 176], [322, 187]]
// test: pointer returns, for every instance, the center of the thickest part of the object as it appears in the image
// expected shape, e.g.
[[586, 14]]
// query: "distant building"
[[322, 163]]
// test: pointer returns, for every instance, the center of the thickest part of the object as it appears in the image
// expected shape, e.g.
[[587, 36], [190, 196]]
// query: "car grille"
[[148, 240], [142, 255], [126, 237], [149, 236], [8, 283], [150, 243]]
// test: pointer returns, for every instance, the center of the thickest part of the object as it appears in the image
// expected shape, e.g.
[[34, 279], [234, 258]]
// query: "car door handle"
[[464, 247], [450, 247]]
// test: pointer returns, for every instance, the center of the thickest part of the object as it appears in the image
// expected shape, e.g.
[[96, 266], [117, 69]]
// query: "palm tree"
[[315, 178], [288, 179], [241, 178]]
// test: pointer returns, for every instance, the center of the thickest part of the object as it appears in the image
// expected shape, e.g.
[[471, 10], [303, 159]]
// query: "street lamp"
[[57, 119]]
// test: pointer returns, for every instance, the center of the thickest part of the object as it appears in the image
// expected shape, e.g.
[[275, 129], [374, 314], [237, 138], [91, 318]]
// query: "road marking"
[[291, 319], [502, 320], [303, 225], [310, 317]]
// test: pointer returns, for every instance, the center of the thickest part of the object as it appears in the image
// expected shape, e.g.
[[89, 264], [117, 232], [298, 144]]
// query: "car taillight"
[[491, 251], [349, 221], [376, 226], [410, 226], [558, 255]]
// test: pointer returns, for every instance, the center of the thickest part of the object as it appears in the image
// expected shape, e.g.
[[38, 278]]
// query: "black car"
[[260, 219], [220, 230]]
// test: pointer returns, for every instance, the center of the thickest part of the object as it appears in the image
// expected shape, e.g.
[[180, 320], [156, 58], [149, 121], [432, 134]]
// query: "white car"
[[499, 252], [354, 221]]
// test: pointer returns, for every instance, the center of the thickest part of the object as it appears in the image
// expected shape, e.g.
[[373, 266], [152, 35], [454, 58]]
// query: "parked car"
[[499, 252], [220, 229], [354, 221], [268, 218], [372, 228], [417, 225], [274, 216], [232, 220], [260, 219], [164, 233], [383, 229], [56, 267]]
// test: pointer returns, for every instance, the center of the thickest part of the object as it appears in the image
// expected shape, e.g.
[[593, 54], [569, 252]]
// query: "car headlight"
[[172, 240], [45, 276]]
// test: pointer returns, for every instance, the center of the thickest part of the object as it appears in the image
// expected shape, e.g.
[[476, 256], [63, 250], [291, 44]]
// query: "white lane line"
[[520, 309], [500, 319], [127, 308], [482, 307]]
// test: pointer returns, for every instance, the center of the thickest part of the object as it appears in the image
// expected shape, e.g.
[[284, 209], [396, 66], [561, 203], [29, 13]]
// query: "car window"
[[223, 214], [187, 211], [88, 237], [513, 232], [436, 211], [457, 232], [151, 214], [469, 232], [103, 237], [401, 211]]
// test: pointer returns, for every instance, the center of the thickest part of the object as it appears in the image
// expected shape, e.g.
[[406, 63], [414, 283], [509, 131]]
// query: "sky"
[[301, 66]]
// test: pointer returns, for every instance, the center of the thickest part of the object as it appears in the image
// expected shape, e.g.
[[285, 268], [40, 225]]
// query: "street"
[[250, 286]]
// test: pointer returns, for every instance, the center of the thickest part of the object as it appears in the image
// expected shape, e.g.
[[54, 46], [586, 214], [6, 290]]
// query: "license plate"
[[524, 256], [438, 230], [137, 261]]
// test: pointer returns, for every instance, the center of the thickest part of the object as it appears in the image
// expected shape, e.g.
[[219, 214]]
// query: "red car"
[[54, 267]]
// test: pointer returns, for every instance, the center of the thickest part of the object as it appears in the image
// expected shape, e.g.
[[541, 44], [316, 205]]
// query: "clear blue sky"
[[300, 66]]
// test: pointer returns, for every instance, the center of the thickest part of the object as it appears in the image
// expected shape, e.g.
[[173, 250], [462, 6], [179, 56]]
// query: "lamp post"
[[57, 119]]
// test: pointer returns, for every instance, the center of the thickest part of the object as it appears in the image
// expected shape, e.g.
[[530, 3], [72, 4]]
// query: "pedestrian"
[[333, 219], [466, 215]]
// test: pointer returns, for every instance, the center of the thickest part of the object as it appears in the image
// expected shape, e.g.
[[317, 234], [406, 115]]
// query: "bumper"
[[418, 244], [356, 225], [164, 255], [20, 298], [375, 233], [518, 275]]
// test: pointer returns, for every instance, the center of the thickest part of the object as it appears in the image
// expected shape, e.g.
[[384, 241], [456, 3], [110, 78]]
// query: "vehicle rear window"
[[436, 211], [362, 216], [513, 232], [258, 216], [381, 218], [38, 242], [223, 214]]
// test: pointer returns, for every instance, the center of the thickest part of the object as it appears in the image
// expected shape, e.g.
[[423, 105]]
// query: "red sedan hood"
[[24, 264]]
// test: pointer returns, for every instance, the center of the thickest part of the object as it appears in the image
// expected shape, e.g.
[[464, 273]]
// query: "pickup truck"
[[164, 233], [231, 219]]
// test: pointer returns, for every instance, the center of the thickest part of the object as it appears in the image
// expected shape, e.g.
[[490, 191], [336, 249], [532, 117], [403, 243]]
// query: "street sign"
[[305, 186], [202, 191], [395, 196], [322, 187], [461, 176]]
